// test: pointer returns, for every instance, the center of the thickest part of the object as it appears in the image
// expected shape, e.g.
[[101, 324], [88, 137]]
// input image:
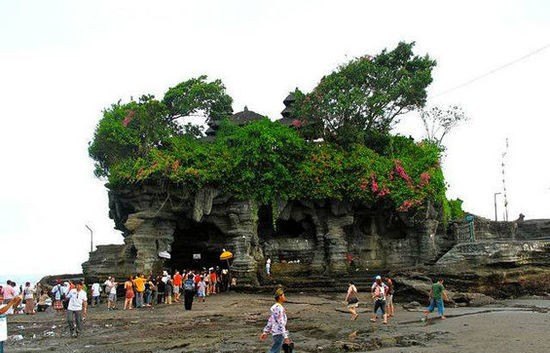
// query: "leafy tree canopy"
[[353, 109], [199, 97], [132, 129], [365, 96]]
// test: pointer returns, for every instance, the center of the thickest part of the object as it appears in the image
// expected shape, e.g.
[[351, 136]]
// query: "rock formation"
[[323, 239]]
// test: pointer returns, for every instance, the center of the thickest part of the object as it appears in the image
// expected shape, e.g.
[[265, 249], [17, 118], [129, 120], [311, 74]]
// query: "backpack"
[[189, 285]]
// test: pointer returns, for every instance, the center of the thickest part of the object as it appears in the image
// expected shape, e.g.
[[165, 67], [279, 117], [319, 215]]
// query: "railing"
[[465, 233]]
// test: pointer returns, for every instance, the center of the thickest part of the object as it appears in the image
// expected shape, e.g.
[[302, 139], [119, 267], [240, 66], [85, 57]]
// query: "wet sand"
[[233, 323]]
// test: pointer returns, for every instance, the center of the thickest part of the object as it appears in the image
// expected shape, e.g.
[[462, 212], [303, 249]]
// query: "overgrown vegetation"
[[358, 159]]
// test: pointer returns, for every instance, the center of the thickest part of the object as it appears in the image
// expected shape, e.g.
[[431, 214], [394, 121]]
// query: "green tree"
[[198, 97], [133, 129], [366, 95], [130, 130]]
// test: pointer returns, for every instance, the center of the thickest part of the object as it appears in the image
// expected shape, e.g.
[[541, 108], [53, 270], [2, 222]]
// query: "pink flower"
[[296, 123], [374, 184], [424, 179], [401, 171], [385, 191], [405, 206]]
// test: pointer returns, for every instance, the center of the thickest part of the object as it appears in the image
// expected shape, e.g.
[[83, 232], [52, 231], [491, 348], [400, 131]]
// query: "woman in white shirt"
[[28, 296]]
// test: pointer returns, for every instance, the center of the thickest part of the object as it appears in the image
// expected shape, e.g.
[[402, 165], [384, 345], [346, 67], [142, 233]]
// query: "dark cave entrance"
[[287, 240], [196, 246]]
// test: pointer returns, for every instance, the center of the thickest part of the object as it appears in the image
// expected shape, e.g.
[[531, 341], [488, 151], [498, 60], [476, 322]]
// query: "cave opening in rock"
[[288, 240], [196, 245]]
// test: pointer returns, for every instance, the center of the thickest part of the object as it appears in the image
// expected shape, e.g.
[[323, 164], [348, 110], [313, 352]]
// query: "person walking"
[[96, 292], [110, 290], [213, 281], [352, 300], [201, 290], [77, 308], [437, 294], [161, 288], [28, 297], [276, 324], [389, 298], [168, 289], [189, 291], [129, 293], [378, 291], [4, 308], [268, 267], [178, 280]]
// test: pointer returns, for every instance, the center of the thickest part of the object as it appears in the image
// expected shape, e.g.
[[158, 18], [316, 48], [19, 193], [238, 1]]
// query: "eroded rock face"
[[301, 237]]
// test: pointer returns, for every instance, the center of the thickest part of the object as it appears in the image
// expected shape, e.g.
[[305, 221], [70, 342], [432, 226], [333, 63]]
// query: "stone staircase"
[[320, 283]]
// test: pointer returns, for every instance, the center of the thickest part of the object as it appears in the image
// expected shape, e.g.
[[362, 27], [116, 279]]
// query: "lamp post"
[[91, 238], [495, 197]]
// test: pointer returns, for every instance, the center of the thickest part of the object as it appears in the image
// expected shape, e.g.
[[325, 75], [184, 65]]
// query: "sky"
[[63, 62]]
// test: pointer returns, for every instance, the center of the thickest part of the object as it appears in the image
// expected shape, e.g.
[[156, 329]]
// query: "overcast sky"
[[62, 62]]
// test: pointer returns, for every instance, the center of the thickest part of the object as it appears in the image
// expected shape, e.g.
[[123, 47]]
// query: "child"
[[201, 289]]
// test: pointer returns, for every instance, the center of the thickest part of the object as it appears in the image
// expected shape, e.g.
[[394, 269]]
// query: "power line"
[[502, 67]]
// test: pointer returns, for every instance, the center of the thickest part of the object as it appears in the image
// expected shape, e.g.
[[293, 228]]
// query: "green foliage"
[[455, 208], [132, 130], [129, 130], [266, 161], [365, 95], [199, 97]]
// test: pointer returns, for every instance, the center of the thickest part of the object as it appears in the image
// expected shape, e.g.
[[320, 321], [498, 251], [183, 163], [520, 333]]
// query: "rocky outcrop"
[[323, 237], [495, 254], [321, 240]]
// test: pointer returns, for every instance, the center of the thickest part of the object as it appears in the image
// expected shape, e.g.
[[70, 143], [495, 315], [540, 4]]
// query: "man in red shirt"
[[178, 280]]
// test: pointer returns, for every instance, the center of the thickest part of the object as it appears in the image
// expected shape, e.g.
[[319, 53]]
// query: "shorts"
[[176, 290], [389, 300], [200, 294], [112, 297], [380, 304], [58, 305]]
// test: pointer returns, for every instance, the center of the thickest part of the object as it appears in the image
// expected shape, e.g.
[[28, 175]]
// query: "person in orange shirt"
[[213, 282], [178, 281], [139, 282]]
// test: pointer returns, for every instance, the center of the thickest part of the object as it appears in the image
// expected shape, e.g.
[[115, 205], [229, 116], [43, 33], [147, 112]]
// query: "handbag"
[[288, 347]]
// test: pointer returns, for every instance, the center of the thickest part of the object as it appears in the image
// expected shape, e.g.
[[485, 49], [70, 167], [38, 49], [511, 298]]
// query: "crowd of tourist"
[[140, 292]]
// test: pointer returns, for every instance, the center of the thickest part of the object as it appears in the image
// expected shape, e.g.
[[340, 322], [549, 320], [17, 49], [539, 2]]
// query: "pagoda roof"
[[246, 116], [289, 99]]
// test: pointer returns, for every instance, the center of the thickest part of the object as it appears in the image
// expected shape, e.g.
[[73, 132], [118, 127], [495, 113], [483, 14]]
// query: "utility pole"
[[504, 181], [495, 197], [91, 238]]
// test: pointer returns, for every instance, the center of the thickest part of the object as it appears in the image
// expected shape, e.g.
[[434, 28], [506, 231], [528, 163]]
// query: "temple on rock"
[[304, 239]]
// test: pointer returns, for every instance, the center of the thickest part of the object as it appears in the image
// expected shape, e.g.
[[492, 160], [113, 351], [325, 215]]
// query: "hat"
[[279, 292], [378, 277]]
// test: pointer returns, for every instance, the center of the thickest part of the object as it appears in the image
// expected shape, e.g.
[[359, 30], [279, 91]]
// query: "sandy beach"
[[317, 323]]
